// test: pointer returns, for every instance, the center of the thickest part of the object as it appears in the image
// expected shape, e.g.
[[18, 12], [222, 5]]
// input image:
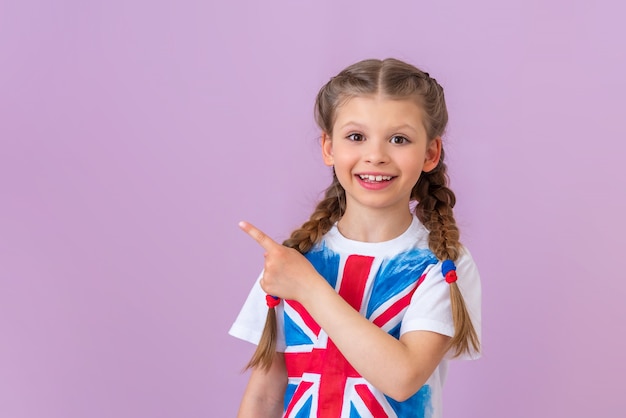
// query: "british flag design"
[[321, 381]]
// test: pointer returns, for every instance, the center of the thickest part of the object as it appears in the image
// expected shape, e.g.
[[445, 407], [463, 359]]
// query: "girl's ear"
[[433, 154], [327, 150]]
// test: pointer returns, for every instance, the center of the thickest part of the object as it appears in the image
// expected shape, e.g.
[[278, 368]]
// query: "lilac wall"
[[135, 134]]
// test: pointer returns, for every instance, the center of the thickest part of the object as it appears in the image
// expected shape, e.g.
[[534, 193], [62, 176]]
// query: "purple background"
[[135, 134]]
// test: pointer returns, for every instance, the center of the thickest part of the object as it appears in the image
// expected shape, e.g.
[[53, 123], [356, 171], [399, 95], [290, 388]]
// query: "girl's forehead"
[[378, 109]]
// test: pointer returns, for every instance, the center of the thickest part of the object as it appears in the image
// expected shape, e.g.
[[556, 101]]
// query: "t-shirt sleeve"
[[430, 308], [251, 319]]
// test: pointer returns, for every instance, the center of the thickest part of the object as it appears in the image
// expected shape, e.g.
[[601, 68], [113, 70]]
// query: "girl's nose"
[[376, 153]]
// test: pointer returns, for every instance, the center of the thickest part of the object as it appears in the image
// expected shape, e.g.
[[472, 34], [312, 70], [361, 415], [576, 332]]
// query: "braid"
[[326, 213], [434, 210]]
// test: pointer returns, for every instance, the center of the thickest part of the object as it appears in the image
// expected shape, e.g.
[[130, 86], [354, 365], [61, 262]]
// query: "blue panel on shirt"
[[353, 412], [395, 332], [397, 273], [291, 389], [418, 405], [305, 412], [325, 261], [293, 333]]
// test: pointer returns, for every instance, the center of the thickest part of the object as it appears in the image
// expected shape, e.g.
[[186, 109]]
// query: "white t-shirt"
[[396, 284]]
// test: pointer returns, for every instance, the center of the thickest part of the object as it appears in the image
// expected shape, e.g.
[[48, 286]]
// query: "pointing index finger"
[[259, 236]]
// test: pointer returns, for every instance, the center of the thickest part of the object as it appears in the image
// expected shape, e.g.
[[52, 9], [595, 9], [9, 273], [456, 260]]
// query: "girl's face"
[[379, 148]]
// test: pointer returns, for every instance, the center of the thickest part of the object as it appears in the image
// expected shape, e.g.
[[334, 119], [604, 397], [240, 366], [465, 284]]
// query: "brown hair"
[[397, 80]]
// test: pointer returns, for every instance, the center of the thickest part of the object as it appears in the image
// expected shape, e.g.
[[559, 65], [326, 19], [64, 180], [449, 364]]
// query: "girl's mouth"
[[369, 178]]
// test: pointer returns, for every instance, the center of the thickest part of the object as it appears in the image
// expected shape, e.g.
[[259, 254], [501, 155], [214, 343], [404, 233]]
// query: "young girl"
[[368, 306]]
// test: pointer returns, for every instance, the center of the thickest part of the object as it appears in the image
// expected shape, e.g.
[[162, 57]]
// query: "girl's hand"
[[287, 274]]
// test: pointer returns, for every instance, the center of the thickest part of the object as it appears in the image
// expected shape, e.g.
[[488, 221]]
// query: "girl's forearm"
[[392, 366]]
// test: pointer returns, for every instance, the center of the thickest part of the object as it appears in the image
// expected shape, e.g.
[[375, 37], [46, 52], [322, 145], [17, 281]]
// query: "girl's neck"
[[374, 226]]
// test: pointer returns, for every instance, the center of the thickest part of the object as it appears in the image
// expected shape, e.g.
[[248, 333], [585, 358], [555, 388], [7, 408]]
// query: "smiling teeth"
[[374, 178]]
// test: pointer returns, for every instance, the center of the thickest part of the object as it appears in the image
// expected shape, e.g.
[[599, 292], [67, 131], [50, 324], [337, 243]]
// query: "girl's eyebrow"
[[352, 124], [357, 125], [404, 126]]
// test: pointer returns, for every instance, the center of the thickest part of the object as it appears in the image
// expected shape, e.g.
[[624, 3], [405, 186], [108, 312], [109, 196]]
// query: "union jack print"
[[322, 383]]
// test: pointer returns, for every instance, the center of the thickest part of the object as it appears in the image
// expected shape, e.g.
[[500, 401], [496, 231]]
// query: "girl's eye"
[[355, 137], [397, 139]]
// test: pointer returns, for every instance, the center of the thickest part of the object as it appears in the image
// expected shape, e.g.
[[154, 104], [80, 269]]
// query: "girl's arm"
[[265, 393], [399, 368]]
